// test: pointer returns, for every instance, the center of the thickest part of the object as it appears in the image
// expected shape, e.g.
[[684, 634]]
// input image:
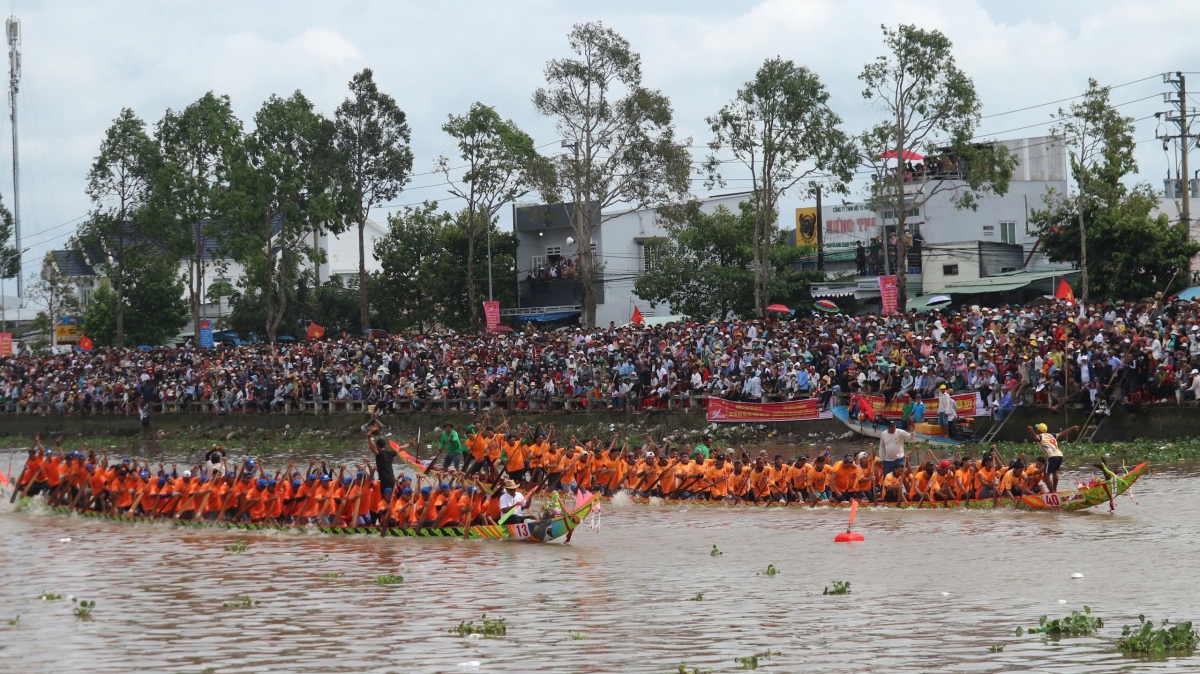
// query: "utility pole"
[[820, 234], [1182, 118], [12, 30]]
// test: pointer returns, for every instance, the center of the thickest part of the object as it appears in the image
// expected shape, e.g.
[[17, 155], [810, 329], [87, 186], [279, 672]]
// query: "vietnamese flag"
[[1064, 292], [637, 316], [315, 331], [85, 343]]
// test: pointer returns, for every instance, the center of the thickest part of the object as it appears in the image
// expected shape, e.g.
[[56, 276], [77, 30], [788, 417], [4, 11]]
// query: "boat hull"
[[871, 430]]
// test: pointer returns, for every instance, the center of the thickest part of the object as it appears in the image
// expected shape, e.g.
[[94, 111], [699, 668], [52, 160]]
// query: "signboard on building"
[[846, 224], [206, 336], [6, 344], [66, 330], [806, 226]]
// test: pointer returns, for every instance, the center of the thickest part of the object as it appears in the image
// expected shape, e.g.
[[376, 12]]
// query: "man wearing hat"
[[1049, 443], [947, 411], [512, 500]]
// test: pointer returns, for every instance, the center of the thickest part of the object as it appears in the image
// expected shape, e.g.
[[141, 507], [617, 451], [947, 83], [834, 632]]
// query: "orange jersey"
[[845, 475], [820, 478]]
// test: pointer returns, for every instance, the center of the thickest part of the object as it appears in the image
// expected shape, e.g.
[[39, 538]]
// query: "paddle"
[[525, 499]]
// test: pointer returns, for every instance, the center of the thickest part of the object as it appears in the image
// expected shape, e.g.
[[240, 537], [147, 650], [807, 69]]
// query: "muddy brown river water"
[[931, 591]]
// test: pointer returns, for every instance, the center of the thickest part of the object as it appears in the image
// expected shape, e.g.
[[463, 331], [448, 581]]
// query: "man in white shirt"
[[947, 410], [512, 500], [891, 446]]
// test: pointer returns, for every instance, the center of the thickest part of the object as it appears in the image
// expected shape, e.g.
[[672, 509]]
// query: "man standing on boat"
[[891, 446], [384, 456], [1049, 443]]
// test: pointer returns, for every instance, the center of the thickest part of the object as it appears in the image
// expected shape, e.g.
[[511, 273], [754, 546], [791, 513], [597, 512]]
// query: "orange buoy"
[[847, 537]]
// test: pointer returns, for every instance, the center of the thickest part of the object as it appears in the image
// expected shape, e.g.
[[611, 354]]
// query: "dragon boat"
[[557, 529], [1098, 492]]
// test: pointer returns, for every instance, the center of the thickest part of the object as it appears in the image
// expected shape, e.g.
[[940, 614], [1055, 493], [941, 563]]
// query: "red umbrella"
[[502, 328], [908, 155], [779, 308]]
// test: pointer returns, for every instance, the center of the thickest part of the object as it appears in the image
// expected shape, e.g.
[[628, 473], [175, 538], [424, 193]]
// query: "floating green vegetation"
[[490, 628], [699, 597], [578, 636], [390, 579], [332, 576], [715, 552], [1177, 639], [771, 571], [83, 608], [244, 602], [751, 661], [323, 558], [1075, 625], [839, 587], [997, 648], [15, 621], [50, 596], [684, 669], [237, 546]]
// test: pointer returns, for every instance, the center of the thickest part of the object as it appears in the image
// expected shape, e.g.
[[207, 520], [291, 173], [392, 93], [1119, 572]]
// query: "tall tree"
[[620, 135], [282, 194], [502, 165], [1101, 144], [929, 105], [780, 128], [373, 137], [198, 148], [119, 185], [154, 293], [410, 256]]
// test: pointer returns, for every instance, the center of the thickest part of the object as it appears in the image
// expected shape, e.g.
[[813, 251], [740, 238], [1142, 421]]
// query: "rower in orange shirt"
[[761, 481], [893, 486], [845, 479], [919, 490], [739, 481], [964, 478], [819, 477], [986, 482], [941, 484], [868, 477]]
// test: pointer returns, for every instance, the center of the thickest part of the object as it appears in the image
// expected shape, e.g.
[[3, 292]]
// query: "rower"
[[512, 500], [1049, 443]]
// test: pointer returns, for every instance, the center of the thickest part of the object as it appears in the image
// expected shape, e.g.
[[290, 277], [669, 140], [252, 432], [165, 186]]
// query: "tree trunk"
[[901, 256], [758, 305], [471, 278], [1083, 274], [587, 294], [364, 315], [196, 272], [768, 231], [119, 286]]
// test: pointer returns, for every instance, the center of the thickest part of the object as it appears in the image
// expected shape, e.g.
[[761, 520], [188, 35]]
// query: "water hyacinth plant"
[[771, 571], [390, 579], [245, 602], [1177, 639], [699, 597], [751, 661], [490, 628], [83, 608], [50, 596], [715, 552], [237, 546], [839, 587], [1075, 625], [331, 576]]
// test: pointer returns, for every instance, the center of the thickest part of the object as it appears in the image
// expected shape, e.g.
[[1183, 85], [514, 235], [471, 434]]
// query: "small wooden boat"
[[556, 529], [1081, 498], [873, 430]]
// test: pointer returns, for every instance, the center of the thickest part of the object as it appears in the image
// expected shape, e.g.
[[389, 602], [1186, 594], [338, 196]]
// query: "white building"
[[618, 244]]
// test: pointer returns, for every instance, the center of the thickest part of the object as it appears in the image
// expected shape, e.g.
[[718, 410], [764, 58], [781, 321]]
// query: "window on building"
[[1008, 232], [649, 261], [553, 250], [989, 230], [539, 261], [914, 213], [949, 270], [1005, 270]]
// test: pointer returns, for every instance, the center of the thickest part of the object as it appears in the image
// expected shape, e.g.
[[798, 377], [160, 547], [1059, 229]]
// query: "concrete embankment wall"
[[1164, 422]]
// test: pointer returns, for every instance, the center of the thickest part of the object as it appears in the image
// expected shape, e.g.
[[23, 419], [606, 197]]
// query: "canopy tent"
[[988, 284], [908, 155], [1188, 294]]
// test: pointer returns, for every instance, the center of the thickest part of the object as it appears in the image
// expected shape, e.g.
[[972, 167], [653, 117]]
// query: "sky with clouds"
[[84, 61]]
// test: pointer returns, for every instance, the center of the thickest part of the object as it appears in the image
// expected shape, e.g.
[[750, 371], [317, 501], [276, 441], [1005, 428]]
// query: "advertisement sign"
[[806, 226], [6, 344], [795, 410], [889, 293], [206, 337], [66, 329], [967, 404], [491, 310]]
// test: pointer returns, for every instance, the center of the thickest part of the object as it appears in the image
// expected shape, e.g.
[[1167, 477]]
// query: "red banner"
[[491, 311], [889, 294], [965, 404], [733, 411], [6, 344]]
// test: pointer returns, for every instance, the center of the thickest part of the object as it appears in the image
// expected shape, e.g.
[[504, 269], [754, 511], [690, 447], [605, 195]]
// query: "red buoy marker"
[[848, 536]]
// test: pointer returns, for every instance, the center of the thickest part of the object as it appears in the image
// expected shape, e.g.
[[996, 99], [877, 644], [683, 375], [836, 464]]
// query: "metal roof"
[[72, 263]]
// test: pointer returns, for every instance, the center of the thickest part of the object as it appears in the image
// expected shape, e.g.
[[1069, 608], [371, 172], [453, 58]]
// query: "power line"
[[1064, 100]]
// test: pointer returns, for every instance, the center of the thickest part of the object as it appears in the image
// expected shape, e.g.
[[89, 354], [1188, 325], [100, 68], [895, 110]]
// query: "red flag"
[[85, 343], [853, 510], [1064, 292], [315, 331], [637, 317]]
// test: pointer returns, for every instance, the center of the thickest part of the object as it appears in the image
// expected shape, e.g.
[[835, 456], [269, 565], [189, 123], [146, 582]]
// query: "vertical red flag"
[[637, 317], [491, 311], [85, 343], [1064, 292], [889, 295], [314, 332], [853, 510]]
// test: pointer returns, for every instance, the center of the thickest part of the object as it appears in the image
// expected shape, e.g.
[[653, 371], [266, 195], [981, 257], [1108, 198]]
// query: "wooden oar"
[[519, 504]]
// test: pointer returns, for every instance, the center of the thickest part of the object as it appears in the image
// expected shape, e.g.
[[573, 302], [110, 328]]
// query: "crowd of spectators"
[[1131, 354], [559, 268]]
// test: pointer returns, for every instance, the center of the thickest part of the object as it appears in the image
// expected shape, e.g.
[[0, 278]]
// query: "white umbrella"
[[938, 299]]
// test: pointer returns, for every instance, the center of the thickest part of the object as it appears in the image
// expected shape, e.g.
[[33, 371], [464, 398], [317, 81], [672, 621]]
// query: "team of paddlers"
[[485, 480]]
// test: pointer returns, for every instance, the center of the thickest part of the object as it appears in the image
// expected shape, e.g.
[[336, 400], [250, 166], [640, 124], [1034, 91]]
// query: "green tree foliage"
[[928, 106], [619, 138], [373, 137], [198, 148], [502, 165], [704, 267], [281, 195], [780, 128], [119, 184], [422, 282], [154, 294]]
